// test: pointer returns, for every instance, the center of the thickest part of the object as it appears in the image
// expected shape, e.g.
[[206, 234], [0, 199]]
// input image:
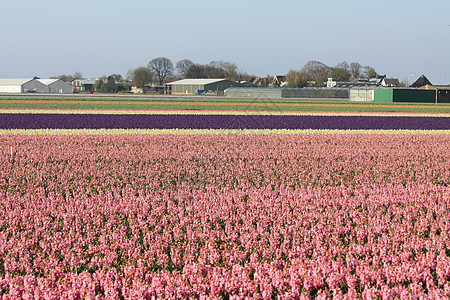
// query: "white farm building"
[[25, 85], [34, 85]]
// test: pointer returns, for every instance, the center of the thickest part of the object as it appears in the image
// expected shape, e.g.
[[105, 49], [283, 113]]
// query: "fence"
[[270, 93]]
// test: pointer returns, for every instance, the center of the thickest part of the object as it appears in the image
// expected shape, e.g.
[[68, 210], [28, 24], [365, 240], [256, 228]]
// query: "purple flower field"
[[162, 121]]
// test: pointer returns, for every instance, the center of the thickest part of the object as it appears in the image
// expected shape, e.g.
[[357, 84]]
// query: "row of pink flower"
[[224, 215]]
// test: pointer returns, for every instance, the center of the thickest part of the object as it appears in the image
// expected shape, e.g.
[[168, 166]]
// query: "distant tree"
[[371, 73], [217, 69], [230, 70], [161, 67], [355, 70], [141, 77], [196, 71], [77, 75], [340, 74], [117, 78], [296, 79], [98, 85], [246, 77], [129, 76], [316, 71], [183, 66], [65, 78], [110, 85], [214, 72], [343, 65]]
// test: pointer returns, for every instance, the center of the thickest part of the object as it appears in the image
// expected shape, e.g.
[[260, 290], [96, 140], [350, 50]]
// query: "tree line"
[[161, 69], [316, 73]]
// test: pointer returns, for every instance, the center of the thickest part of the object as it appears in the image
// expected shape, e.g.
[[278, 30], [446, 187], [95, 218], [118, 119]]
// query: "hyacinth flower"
[[224, 215]]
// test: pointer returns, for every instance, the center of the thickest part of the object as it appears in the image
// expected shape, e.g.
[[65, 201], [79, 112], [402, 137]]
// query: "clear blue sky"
[[50, 37]]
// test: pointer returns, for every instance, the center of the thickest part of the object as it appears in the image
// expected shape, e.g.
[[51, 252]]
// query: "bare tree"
[[66, 78], [77, 75], [129, 76], [316, 71], [214, 72], [224, 69], [161, 67], [230, 69], [196, 71], [343, 65], [355, 70], [183, 67]]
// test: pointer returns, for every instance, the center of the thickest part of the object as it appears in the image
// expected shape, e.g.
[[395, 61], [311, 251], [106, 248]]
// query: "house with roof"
[[83, 85], [421, 81], [256, 81], [279, 81], [390, 82], [361, 83]]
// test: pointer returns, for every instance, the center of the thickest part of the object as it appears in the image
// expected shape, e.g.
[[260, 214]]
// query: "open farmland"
[[217, 198], [211, 104], [18, 113], [176, 216]]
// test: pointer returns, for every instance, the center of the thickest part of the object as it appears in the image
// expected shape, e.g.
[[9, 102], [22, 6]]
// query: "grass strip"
[[220, 112]]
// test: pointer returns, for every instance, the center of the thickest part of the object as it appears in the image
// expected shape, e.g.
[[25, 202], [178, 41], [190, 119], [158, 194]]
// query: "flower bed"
[[169, 121], [218, 216]]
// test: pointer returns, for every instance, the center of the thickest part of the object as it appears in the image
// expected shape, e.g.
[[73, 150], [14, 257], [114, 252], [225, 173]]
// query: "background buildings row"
[[372, 90]]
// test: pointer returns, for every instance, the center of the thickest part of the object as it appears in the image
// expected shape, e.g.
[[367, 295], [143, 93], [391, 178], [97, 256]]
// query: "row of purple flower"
[[97, 121]]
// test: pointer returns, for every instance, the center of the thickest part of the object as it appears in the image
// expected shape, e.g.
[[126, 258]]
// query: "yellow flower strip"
[[209, 131]]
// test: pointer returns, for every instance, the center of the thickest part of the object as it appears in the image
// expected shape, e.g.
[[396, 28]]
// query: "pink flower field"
[[225, 216]]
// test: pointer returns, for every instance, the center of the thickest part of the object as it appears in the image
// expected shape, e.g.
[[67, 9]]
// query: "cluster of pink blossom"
[[224, 216]]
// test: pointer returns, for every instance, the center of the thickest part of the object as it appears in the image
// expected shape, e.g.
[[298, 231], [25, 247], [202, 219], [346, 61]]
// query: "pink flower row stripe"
[[216, 216]]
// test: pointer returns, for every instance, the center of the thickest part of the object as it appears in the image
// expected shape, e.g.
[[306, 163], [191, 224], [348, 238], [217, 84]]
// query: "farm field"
[[212, 104], [215, 113], [225, 215], [121, 199]]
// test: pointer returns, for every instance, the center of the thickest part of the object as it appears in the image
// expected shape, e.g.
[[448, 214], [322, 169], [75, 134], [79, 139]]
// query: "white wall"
[[10, 89]]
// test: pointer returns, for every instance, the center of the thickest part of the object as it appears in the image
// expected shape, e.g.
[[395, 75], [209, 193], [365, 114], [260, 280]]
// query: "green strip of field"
[[208, 131], [219, 104], [216, 112]]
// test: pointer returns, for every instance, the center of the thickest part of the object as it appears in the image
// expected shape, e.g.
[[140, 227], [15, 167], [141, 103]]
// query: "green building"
[[201, 86], [404, 95]]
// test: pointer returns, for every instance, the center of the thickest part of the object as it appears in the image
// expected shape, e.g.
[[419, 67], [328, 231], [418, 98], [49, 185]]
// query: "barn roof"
[[48, 81], [14, 81], [196, 81]]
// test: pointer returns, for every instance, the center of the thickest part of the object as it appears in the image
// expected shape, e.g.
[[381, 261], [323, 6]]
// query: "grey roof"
[[353, 84], [394, 81], [421, 81], [195, 81], [14, 81], [86, 81]]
